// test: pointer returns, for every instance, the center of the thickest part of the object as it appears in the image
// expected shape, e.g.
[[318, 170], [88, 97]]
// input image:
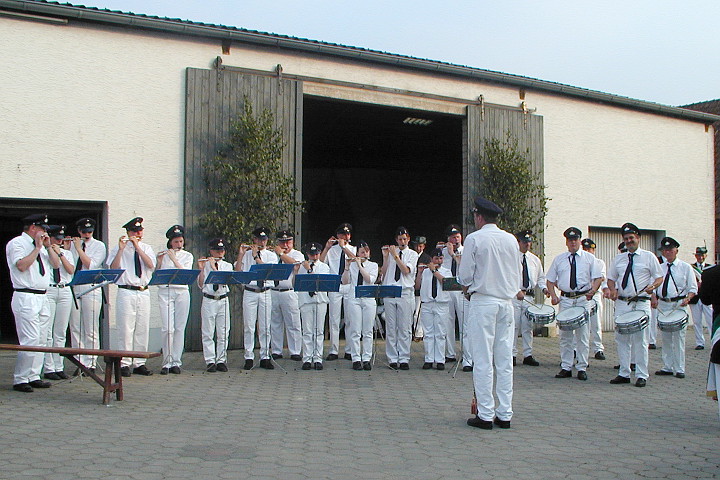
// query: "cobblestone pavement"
[[339, 423]]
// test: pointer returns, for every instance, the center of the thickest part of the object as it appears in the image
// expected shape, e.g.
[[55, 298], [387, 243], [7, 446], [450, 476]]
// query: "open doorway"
[[379, 167]]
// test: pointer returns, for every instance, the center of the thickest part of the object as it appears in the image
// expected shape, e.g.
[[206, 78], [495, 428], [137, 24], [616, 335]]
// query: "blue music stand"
[[272, 271], [317, 282], [174, 276], [230, 278], [378, 291]]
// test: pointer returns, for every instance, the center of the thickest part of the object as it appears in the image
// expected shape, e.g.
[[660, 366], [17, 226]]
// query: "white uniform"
[[458, 306], [174, 303], [133, 302], [489, 269], [286, 312], [700, 311], [361, 313], [215, 314], [680, 281], [645, 270], [31, 309], [312, 313], [434, 314], [338, 299], [60, 301], [399, 311], [257, 305], [587, 270], [595, 321], [536, 281], [85, 319]]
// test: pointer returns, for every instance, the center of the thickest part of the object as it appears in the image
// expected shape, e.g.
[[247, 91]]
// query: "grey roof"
[[186, 27]]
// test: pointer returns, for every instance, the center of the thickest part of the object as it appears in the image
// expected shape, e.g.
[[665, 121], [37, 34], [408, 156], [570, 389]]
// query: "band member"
[[215, 310], [532, 279], [337, 250], [30, 260], [60, 299], [578, 277], [632, 278], [710, 295], [89, 254], [434, 312], [595, 321], [257, 302], [701, 312], [174, 300], [133, 298], [458, 305], [285, 310], [678, 288], [313, 307], [490, 274], [399, 263], [360, 311], [419, 245]]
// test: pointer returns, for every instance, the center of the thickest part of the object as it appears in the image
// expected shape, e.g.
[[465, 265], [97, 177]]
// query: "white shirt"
[[681, 281], [127, 263], [535, 271], [95, 249], [603, 270], [184, 258], [248, 260], [208, 288], [426, 285], [410, 258], [297, 257], [333, 257], [448, 259], [370, 267], [19, 248], [319, 297], [65, 276], [586, 270], [646, 269], [490, 263]]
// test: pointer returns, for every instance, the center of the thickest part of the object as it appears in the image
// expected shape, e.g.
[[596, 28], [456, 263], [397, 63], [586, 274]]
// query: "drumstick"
[[531, 303]]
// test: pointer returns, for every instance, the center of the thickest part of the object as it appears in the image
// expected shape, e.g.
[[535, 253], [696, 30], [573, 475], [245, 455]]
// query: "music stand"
[[379, 291], [450, 284], [317, 282], [97, 278]]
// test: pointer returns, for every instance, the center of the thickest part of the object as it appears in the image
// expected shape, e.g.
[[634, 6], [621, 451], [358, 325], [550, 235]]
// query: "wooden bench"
[[112, 364]]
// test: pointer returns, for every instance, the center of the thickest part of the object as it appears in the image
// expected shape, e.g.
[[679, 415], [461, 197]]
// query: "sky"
[[660, 51]]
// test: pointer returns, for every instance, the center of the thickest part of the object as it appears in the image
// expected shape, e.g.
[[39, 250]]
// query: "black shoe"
[[296, 357], [600, 356], [357, 366], [175, 370], [501, 423], [619, 379], [480, 423], [393, 366], [564, 374], [652, 347], [582, 375], [142, 370], [450, 359], [39, 384], [404, 366], [248, 364], [700, 347], [367, 366], [267, 364], [632, 367], [640, 382], [331, 357], [617, 367], [680, 375], [529, 360], [275, 356], [440, 366], [427, 366], [51, 376], [22, 387], [62, 375], [164, 371], [318, 366], [306, 366], [211, 368], [221, 367], [347, 356], [663, 372], [467, 368], [514, 362], [125, 371]]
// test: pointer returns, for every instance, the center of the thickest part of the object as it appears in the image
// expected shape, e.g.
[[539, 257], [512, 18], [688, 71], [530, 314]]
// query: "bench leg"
[[107, 385], [118, 380]]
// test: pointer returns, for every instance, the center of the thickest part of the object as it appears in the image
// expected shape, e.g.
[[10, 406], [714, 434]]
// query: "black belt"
[[573, 294], [30, 290], [257, 290], [59, 285], [281, 289], [133, 287], [673, 299], [213, 297], [634, 299], [529, 291]]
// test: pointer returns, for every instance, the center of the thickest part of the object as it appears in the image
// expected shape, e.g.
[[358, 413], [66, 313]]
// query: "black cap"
[[363, 244], [572, 233], [57, 231], [283, 235], [483, 205], [629, 228], [401, 231], [701, 251], [345, 228], [260, 232], [525, 236], [134, 225], [622, 248], [588, 243], [452, 230], [175, 231], [216, 244], [85, 225], [313, 248], [668, 242], [39, 219], [436, 252], [420, 240]]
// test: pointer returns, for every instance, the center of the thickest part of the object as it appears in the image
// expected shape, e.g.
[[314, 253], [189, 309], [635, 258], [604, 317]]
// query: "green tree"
[[245, 183], [508, 180]]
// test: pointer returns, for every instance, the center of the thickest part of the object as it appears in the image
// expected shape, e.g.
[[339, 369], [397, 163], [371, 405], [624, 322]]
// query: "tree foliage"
[[508, 180], [246, 186]]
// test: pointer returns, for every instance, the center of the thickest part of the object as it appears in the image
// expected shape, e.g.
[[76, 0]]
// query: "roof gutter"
[[136, 21]]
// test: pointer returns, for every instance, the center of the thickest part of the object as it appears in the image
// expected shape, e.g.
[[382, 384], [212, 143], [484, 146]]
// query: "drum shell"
[[673, 325], [539, 317], [577, 317], [633, 326]]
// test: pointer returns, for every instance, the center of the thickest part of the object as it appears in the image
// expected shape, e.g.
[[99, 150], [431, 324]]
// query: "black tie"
[[56, 275], [79, 264], [216, 286], [397, 268], [40, 264], [360, 277], [341, 267], [526, 274], [573, 272], [628, 270], [666, 282], [312, 265], [138, 265], [434, 285], [453, 267]]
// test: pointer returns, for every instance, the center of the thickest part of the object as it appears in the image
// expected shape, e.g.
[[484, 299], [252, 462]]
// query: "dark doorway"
[[12, 210], [377, 168]]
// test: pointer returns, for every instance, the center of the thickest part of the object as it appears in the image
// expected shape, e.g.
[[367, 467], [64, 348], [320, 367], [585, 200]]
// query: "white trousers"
[[85, 323], [174, 306], [285, 317], [490, 325], [434, 317], [61, 304], [652, 327], [673, 346], [398, 326], [32, 322], [337, 301], [256, 310], [595, 325], [361, 318], [313, 331], [133, 323], [574, 341], [523, 326], [458, 306], [635, 344], [700, 313]]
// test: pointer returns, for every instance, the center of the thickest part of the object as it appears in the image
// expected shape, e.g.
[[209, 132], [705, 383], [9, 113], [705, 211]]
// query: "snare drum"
[[540, 314], [673, 321], [592, 307], [631, 322], [572, 318]]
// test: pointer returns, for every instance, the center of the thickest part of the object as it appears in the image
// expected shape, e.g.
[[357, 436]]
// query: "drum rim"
[[580, 309]]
